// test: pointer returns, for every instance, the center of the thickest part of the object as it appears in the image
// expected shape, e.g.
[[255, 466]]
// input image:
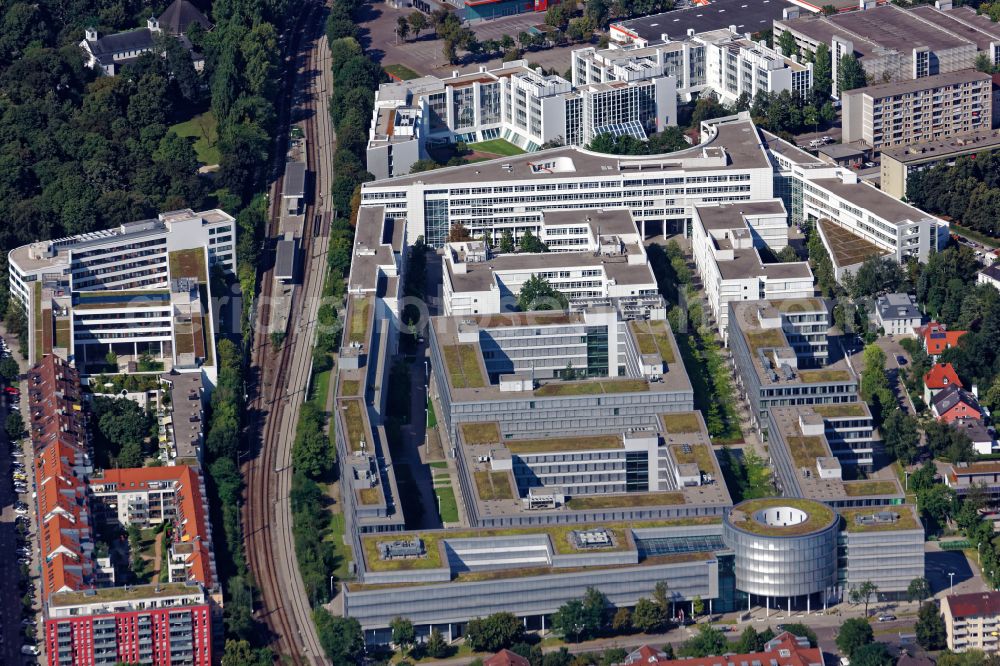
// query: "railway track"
[[272, 398]]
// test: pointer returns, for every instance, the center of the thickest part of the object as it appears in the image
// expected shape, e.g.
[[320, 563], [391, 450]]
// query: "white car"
[[29, 650], [17, 453], [21, 511]]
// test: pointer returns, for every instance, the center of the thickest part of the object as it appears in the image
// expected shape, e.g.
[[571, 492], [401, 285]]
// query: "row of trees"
[[967, 191]]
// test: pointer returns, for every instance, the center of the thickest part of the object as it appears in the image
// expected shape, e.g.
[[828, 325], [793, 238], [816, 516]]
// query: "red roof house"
[[938, 378], [955, 403], [506, 658], [784, 650], [936, 338]]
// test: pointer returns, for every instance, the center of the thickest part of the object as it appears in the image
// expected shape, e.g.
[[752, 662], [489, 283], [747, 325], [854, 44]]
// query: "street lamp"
[[951, 578]]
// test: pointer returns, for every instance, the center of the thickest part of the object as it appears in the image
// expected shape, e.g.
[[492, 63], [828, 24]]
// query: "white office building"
[[722, 62], [512, 102], [726, 241], [141, 289]]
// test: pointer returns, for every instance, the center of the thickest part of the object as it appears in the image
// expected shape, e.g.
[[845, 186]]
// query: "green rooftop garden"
[[677, 423], [864, 488], [581, 503], [62, 332], [36, 306], [463, 366], [493, 485], [354, 420], [481, 433], [592, 387], [906, 521], [370, 496], [805, 450], [816, 376], [188, 263], [765, 339], [700, 455], [840, 410], [564, 444], [819, 516], [797, 305], [360, 312], [350, 387], [653, 337]]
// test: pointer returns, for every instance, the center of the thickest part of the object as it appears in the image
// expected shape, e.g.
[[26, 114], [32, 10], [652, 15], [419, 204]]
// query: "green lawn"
[[320, 388], [344, 553], [439, 464], [431, 416], [401, 72], [447, 503], [205, 130], [497, 147]]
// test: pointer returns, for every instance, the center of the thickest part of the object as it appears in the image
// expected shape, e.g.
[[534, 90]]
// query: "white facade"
[[720, 61], [725, 240], [513, 102]]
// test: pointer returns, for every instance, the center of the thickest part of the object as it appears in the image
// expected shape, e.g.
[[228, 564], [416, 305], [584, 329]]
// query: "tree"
[[822, 72], [788, 254], [436, 646], [786, 42], [241, 653], [418, 23], [340, 637], [9, 369], [697, 606], [828, 10], [14, 426], [595, 608], [570, 620], [854, 633], [750, 641], [402, 28], [918, 590], [459, 233], [708, 641], [506, 242], [983, 63], [647, 616], [494, 632], [900, 436], [531, 243], [863, 594], [621, 623], [872, 654], [930, 628], [850, 73], [403, 633], [537, 294]]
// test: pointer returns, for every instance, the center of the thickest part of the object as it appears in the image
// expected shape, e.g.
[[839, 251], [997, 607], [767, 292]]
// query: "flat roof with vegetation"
[[358, 324], [653, 337], [768, 338], [824, 375], [592, 387], [188, 263], [354, 420], [548, 444], [698, 454], [789, 305], [559, 534], [840, 410], [679, 423], [819, 516], [907, 519], [493, 485], [805, 450], [123, 593], [481, 433], [464, 371], [585, 502], [865, 488]]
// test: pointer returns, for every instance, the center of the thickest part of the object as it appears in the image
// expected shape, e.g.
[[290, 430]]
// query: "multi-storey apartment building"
[[722, 62], [88, 619], [972, 621], [898, 164], [899, 44], [726, 240], [930, 108], [137, 289], [516, 103]]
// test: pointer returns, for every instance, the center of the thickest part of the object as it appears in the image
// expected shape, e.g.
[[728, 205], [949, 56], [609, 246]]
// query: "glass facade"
[[597, 351], [436, 221], [636, 471]]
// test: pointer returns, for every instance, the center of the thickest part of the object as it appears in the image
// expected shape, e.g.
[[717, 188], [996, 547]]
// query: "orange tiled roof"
[[937, 337], [941, 375]]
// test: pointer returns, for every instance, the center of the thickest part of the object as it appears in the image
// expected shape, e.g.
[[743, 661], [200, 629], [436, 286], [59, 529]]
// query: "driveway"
[[893, 351]]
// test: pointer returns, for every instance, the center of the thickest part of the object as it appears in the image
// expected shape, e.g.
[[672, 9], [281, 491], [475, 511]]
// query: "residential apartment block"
[[141, 288], [930, 108], [89, 618], [898, 164], [972, 621], [897, 44], [516, 103], [727, 240]]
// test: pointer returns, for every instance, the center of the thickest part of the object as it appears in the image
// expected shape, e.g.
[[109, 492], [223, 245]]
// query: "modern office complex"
[[89, 617], [898, 164], [594, 256], [140, 289], [516, 103], [727, 240], [930, 108], [897, 44], [721, 62], [972, 621]]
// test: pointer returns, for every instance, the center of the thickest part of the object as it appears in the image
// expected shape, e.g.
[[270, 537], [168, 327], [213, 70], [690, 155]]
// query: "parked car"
[[29, 650], [886, 617]]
